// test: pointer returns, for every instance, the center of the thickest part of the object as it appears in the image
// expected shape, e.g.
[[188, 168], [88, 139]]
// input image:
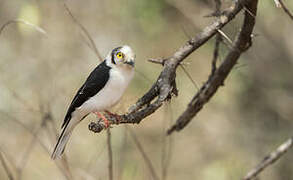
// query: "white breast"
[[111, 93]]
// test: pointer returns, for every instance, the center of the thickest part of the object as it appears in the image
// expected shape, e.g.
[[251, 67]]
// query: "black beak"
[[131, 63]]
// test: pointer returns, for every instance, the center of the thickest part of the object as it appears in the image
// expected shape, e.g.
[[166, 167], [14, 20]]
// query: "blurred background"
[[40, 73]]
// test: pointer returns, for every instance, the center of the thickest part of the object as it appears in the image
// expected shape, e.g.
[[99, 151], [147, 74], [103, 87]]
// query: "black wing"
[[94, 83]]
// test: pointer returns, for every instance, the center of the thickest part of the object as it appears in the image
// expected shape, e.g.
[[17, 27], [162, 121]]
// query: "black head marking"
[[113, 54]]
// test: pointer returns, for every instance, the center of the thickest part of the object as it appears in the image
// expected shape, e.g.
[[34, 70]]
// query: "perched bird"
[[102, 90]]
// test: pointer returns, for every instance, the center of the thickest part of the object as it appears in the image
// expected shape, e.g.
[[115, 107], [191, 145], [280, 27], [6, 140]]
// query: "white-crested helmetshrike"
[[103, 89]]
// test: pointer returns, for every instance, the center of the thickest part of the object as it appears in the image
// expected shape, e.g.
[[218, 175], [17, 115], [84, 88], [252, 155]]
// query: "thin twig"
[[218, 5], [216, 53], [143, 76], [35, 27], [144, 155], [25, 103], [283, 6], [37, 138], [26, 155], [122, 161], [5, 166], [110, 155], [167, 142], [25, 127], [185, 32], [269, 159], [157, 61], [189, 77], [92, 42], [62, 165]]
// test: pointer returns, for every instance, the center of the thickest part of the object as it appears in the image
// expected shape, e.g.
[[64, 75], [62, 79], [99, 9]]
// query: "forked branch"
[[217, 78], [165, 87]]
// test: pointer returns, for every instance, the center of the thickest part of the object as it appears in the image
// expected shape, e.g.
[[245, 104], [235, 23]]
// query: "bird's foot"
[[101, 116], [116, 116]]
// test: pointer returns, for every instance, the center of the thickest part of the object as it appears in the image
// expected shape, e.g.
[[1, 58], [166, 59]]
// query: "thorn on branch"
[[249, 12], [225, 37], [157, 61]]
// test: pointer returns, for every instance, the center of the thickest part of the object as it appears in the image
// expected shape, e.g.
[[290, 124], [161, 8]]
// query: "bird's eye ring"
[[119, 55]]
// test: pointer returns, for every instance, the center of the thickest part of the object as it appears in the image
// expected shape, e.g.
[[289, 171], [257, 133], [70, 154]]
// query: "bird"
[[102, 90]]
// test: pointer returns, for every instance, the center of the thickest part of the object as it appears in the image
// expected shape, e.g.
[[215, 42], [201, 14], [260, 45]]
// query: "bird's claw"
[[105, 120], [116, 116]]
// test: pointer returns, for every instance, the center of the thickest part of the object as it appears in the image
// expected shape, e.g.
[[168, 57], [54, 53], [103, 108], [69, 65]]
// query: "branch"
[[269, 159], [167, 148], [143, 154], [20, 21], [65, 171], [218, 5], [110, 155], [92, 44], [216, 53], [165, 87], [27, 152], [210, 87], [5, 166], [280, 4]]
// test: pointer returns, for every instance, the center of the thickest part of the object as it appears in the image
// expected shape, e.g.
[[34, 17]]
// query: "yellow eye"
[[119, 55]]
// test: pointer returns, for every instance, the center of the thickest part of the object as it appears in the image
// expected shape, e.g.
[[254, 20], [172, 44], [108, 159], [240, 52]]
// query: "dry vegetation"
[[47, 50]]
